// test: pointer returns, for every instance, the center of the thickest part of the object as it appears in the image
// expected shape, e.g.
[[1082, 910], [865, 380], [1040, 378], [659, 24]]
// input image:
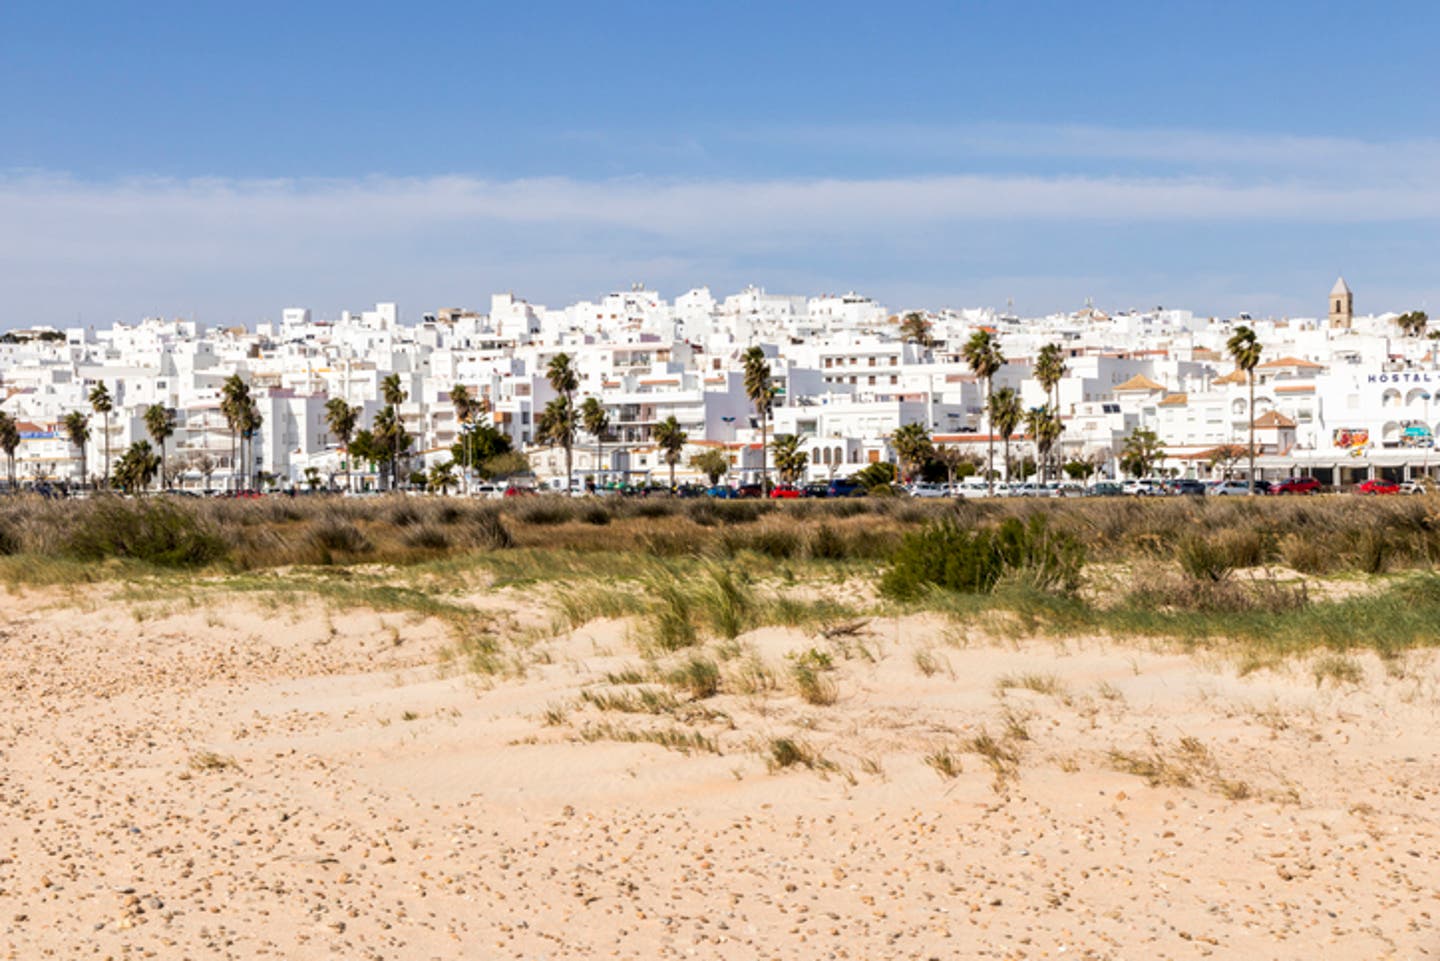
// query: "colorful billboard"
[[1351, 439]]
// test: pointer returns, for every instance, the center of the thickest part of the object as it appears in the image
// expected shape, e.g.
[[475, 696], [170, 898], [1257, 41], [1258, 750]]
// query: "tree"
[[367, 447], [137, 467], [481, 444], [1081, 468], [1142, 451], [913, 448], [556, 426], [1225, 457], [466, 409], [790, 460], [312, 478], [1050, 370], [390, 431], [342, 420], [1005, 416], [564, 380], [1044, 427], [982, 353], [915, 329], [251, 420], [597, 424], [671, 440], [951, 458], [713, 463], [442, 477], [234, 402], [77, 431], [879, 474], [506, 465], [394, 395], [102, 404], [160, 425], [206, 465], [9, 443], [1245, 348], [1413, 323], [761, 391]]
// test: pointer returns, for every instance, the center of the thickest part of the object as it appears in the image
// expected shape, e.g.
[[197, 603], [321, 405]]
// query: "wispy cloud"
[[228, 247]]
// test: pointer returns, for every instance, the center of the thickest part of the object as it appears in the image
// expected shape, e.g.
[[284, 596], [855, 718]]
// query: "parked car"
[[1229, 488], [1296, 485], [1105, 489], [1145, 487], [972, 487], [749, 490], [926, 489], [1378, 486], [785, 492], [844, 488], [1412, 487], [815, 489], [722, 491], [1185, 486]]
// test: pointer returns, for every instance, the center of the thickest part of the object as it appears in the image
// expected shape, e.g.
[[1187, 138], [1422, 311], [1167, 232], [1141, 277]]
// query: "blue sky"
[[185, 158]]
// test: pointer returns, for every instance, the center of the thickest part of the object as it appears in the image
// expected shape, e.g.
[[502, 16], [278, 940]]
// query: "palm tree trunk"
[[1252, 433], [569, 470], [989, 441], [764, 448], [107, 450], [1007, 458]]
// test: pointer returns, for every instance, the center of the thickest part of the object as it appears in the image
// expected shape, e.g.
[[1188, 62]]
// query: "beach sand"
[[240, 780]]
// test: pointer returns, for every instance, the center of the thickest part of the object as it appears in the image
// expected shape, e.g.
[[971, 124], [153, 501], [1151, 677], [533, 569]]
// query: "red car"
[[1378, 486], [785, 492], [1297, 485]]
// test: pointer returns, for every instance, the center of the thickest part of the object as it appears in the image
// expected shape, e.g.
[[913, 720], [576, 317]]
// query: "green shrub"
[[1203, 558], [154, 531], [335, 534], [970, 561]]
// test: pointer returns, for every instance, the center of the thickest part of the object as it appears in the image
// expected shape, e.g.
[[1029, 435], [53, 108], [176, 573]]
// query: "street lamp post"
[[1429, 432]]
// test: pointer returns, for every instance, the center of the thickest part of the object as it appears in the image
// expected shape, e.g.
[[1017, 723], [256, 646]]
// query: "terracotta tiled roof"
[[1273, 419], [1293, 362], [1139, 382], [1175, 400], [1236, 376]]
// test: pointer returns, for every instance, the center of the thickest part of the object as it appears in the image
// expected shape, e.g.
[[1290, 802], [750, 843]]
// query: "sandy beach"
[[233, 779]]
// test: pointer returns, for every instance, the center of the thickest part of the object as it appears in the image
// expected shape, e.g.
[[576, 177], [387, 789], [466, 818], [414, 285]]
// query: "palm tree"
[[77, 431], [102, 404], [137, 467], [1005, 415], [564, 380], [9, 443], [342, 419], [251, 420], [389, 432], [1245, 348], [671, 440], [1044, 427], [761, 391], [915, 329], [1050, 369], [442, 476], [234, 401], [913, 446], [597, 424], [790, 460], [466, 407], [394, 395], [982, 353], [160, 425], [557, 426]]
